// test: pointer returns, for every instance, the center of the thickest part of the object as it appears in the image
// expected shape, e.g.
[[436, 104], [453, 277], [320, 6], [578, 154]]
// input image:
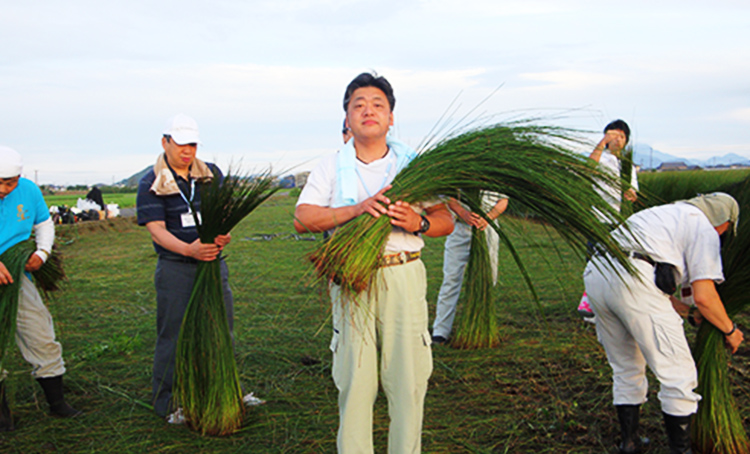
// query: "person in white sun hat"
[[23, 211]]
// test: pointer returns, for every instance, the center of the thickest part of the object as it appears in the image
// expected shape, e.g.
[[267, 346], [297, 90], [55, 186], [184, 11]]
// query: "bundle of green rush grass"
[[207, 385], [626, 169], [477, 326], [718, 426], [528, 163], [47, 279]]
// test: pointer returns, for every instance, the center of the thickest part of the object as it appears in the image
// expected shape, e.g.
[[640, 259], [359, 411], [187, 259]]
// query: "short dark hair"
[[369, 80], [619, 125], [167, 137]]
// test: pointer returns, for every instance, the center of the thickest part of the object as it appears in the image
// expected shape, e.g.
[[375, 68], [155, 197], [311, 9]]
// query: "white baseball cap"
[[182, 129], [10, 163]]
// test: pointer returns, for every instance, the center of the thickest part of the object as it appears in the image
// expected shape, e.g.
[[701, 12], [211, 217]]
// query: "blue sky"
[[86, 86]]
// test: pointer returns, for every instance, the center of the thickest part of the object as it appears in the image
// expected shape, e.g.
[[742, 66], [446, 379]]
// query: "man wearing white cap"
[[22, 210], [166, 197], [638, 321]]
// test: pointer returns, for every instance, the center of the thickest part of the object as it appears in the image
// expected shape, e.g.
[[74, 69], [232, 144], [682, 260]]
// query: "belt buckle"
[[402, 257]]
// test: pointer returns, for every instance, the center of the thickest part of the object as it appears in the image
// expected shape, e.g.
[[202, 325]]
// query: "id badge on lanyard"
[[187, 219]]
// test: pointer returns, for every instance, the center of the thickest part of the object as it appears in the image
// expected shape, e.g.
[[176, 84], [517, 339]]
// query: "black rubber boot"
[[53, 391], [678, 432], [628, 416], [6, 418]]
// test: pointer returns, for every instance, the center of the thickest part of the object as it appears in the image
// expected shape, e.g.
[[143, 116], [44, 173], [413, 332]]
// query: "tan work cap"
[[718, 208]]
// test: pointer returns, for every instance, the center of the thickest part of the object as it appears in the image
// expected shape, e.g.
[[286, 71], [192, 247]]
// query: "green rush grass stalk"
[[477, 326], [718, 427], [207, 384], [528, 163], [626, 169], [47, 279]]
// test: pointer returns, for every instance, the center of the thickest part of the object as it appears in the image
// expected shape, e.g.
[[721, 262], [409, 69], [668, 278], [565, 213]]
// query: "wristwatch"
[[424, 225]]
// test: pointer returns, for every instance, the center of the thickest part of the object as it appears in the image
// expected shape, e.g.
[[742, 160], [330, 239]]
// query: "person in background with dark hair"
[[23, 212], [608, 155], [346, 133], [392, 318], [95, 195]]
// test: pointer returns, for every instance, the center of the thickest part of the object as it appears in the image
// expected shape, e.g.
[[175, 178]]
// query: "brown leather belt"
[[399, 258]]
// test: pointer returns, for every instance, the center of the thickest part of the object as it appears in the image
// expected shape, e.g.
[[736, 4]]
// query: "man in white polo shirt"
[[393, 317]]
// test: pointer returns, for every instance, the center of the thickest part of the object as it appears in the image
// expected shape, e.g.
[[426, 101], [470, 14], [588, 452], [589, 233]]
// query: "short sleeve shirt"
[[372, 177], [609, 164], [678, 234], [20, 211], [169, 209]]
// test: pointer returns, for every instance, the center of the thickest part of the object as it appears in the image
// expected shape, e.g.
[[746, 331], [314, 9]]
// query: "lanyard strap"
[[192, 194]]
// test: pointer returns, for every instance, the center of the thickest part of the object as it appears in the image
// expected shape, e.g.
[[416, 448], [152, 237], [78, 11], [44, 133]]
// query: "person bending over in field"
[[638, 319]]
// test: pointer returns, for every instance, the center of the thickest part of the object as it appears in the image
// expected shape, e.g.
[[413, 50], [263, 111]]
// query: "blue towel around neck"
[[346, 169]]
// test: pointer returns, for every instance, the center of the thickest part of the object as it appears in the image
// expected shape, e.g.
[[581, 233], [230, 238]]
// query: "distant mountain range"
[[132, 180], [649, 158]]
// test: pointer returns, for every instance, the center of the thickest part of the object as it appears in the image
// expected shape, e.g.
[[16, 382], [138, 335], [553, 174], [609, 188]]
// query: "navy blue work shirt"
[[170, 208]]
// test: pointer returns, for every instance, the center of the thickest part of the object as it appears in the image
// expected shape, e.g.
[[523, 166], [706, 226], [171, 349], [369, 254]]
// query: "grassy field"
[[661, 187], [545, 389], [71, 198]]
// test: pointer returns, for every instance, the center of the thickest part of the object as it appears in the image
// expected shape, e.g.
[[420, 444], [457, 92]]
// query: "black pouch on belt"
[[664, 277]]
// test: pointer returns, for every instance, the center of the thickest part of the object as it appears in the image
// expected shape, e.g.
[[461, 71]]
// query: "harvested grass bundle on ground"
[[477, 326], [528, 163], [718, 427], [207, 385], [47, 278]]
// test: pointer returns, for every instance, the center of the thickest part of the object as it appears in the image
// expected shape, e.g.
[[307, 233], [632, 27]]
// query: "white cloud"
[[494, 8], [572, 80], [741, 115], [86, 86]]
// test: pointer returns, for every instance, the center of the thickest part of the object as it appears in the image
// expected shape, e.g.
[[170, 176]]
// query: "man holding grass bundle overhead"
[[23, 211], [392, 318], [638, 322]]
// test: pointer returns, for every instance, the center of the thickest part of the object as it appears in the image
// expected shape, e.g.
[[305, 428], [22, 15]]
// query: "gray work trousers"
[[174, 283]]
